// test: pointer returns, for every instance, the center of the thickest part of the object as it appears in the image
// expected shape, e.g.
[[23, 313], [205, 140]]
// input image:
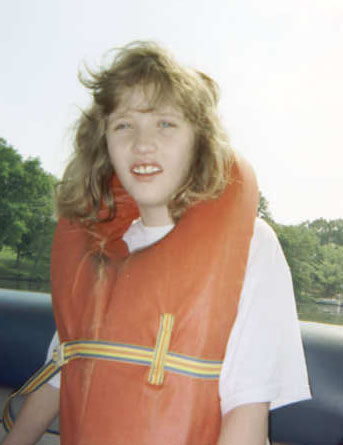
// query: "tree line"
[[314, 250], [26, 209]]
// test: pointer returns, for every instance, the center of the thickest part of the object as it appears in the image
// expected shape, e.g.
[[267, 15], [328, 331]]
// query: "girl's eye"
[[166, 124], [123, 126]]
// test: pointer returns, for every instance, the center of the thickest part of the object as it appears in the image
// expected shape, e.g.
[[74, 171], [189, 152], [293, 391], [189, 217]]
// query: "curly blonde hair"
[[86, 182]]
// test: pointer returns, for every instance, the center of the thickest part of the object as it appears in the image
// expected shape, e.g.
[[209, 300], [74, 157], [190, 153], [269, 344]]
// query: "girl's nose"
[[144, 142]]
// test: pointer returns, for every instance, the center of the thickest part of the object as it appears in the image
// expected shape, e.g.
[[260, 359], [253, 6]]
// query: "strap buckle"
[[58, 355]]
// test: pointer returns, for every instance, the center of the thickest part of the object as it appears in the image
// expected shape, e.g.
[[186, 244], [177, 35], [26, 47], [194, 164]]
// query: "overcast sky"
[[279, 65]]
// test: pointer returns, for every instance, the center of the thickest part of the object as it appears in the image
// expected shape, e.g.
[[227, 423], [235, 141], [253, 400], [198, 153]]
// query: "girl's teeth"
[[146, 169]]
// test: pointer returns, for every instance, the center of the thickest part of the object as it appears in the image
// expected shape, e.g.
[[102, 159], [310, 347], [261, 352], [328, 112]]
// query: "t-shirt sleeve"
[[55, 380], [264, 359]]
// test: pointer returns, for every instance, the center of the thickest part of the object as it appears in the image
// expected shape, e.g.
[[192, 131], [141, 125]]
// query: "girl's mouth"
[[146, 169]]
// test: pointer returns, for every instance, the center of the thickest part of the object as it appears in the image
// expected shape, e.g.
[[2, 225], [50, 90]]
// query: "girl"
[[174, 306]]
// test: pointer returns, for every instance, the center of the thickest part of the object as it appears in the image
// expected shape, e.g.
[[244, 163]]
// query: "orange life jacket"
[[175, 301]]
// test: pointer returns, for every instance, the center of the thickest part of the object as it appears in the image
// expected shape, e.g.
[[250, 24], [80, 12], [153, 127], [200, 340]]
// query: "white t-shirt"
[[264, 359]]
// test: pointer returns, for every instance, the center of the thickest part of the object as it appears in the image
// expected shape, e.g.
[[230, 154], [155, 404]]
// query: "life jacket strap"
[[139, 355], [156, 374], [43, 375], [119, 352]]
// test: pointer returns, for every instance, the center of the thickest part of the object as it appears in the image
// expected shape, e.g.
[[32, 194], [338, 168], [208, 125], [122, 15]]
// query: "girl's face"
[[151, 150]]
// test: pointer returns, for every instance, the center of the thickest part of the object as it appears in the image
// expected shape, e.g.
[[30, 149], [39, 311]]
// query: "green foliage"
[[26, 204], [300, 247], [263, 208], [329, 270], [328, 231], [315, 255], [314, 252]]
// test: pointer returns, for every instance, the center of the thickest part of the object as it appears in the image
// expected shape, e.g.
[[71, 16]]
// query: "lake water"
[[322, 313], [25, 285]]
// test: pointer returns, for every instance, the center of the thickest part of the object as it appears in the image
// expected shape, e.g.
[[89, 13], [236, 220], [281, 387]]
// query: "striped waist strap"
[[159, 358], [139, 355], [118, 352]]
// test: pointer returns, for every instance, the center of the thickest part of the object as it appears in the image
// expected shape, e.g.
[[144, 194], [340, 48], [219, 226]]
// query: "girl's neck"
[[155, 216]]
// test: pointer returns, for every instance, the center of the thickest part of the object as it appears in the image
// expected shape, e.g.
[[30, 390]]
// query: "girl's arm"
[[36, 414], [245, 425]]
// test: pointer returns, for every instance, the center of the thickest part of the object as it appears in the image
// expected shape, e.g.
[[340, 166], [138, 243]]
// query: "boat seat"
[[27, 326]]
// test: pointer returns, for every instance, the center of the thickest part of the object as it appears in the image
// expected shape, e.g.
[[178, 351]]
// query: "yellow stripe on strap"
[[156, 374]]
